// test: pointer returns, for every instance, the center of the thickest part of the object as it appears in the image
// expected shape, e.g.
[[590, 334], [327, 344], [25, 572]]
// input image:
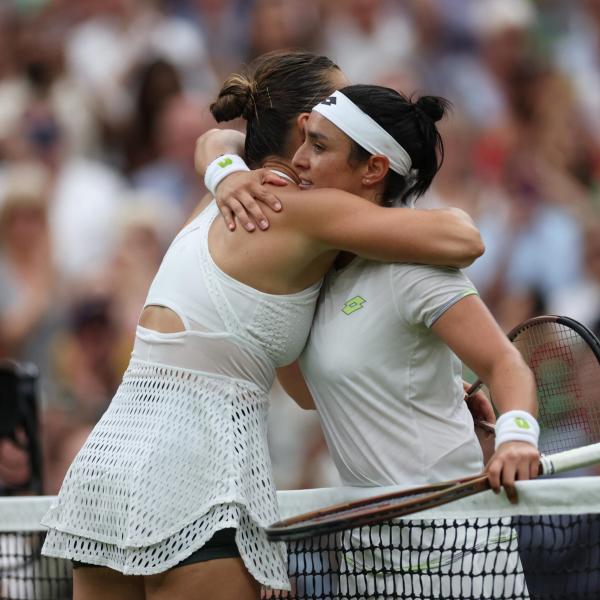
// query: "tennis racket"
[[370, 511], [565, 359]]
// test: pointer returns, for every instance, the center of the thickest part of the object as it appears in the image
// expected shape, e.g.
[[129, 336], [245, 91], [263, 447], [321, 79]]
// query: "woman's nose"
[[299, 161]]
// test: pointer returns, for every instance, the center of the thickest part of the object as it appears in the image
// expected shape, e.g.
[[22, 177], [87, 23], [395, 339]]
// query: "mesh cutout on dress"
[[140, 491], [178, 446], [263, 559]]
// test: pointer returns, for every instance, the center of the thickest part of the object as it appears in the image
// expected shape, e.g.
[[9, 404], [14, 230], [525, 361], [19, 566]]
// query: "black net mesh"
[[25, 574], [538, 557]]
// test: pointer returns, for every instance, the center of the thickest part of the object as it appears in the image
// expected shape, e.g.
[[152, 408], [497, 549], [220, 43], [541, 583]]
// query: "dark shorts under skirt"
[[220, 545]]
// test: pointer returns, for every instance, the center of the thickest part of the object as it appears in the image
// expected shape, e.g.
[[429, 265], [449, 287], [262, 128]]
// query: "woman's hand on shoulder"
[[512, 461], [242, 195]]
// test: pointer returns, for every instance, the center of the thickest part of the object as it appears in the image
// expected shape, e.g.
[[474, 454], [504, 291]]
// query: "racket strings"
[[566, 372]]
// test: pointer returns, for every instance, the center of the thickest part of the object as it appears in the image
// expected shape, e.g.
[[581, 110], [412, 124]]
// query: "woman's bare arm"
[[243, 190], [342, 221], [472, 333], [337, 220], [214, 143], [292, 381]]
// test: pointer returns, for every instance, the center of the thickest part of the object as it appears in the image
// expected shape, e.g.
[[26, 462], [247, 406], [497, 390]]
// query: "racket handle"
[[485, 425], [474, 387], [578, 458]]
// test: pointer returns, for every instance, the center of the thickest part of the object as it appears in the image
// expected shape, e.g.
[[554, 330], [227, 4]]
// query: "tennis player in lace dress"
[[170, 493]]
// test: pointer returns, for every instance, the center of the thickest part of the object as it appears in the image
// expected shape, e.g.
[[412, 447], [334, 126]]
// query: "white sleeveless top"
[[182, 452]]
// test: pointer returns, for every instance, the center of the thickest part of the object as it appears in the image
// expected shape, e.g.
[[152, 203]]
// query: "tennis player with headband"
[[170, 494], [382, 360], [418, 328]]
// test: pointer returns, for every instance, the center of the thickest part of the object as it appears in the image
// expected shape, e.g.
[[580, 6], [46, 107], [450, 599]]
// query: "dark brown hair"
[[412, 125], [270, 95]]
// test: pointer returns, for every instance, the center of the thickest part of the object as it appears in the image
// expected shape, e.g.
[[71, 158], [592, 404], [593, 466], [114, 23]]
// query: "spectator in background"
[[523, 174], [89, 358], [38, 72], [277, 24], [159, 81], [14, 466], [30, 305], [7, 58], [126, 33], [577, 53], [224, 24], [545, 176], [582, 300], [477, 81], [542, 248], [371, 40], [82, 193], [171, 175], [459, 184], [145, 227]]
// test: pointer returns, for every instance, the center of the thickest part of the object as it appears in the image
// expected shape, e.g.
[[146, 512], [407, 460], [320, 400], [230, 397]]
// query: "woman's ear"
[[301, 121], [376, 170]]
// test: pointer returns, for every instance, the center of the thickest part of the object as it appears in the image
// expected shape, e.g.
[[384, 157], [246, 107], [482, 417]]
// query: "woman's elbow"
[[471, 243], [475, 248], [468, 243], [468, 250]]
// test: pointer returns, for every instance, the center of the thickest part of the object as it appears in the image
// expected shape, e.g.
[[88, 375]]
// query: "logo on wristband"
[[225, 163], [521, 423]]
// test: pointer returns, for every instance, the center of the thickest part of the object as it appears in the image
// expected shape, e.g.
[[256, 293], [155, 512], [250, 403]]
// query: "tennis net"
[[545, 548]]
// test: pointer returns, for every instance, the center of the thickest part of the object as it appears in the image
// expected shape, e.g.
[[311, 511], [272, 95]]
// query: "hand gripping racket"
[[370, 511], [565, 359]]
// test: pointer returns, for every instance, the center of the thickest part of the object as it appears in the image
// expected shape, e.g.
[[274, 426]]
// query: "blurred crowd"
[[101, 102]]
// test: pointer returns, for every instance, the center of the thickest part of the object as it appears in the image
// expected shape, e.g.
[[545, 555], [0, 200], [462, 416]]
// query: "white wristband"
[[517, 426], [220, 168]]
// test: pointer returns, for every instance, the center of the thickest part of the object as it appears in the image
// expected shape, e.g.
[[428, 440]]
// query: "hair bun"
[[433, 106], [236, 99]]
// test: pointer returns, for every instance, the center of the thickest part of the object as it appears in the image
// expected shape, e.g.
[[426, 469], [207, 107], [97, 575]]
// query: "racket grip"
[[474, 387], [577, 458], [485, 426]]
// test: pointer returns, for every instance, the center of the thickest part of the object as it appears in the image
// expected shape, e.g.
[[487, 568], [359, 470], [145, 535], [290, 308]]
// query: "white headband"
[[365, 131]]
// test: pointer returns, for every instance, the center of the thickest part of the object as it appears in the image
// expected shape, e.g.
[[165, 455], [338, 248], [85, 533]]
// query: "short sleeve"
[[422, 293]]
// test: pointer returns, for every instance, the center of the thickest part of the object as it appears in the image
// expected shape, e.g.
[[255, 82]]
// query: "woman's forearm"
[[214, 143], [473, 335], [439, 237], [292, 381], [345, 222], [512, 385]]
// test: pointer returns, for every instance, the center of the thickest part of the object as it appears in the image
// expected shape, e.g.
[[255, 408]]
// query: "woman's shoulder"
[[411, 277]]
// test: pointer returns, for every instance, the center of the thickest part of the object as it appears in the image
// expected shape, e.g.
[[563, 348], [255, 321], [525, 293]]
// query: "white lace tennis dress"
[[181, 452]]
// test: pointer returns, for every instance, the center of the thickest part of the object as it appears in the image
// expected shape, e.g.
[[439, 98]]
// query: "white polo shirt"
[[388, 390]]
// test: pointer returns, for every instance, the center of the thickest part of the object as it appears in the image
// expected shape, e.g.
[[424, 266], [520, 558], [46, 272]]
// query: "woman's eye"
[[318, 148]]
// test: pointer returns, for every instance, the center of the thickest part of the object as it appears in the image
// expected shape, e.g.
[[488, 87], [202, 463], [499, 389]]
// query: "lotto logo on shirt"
[[353, 305]]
